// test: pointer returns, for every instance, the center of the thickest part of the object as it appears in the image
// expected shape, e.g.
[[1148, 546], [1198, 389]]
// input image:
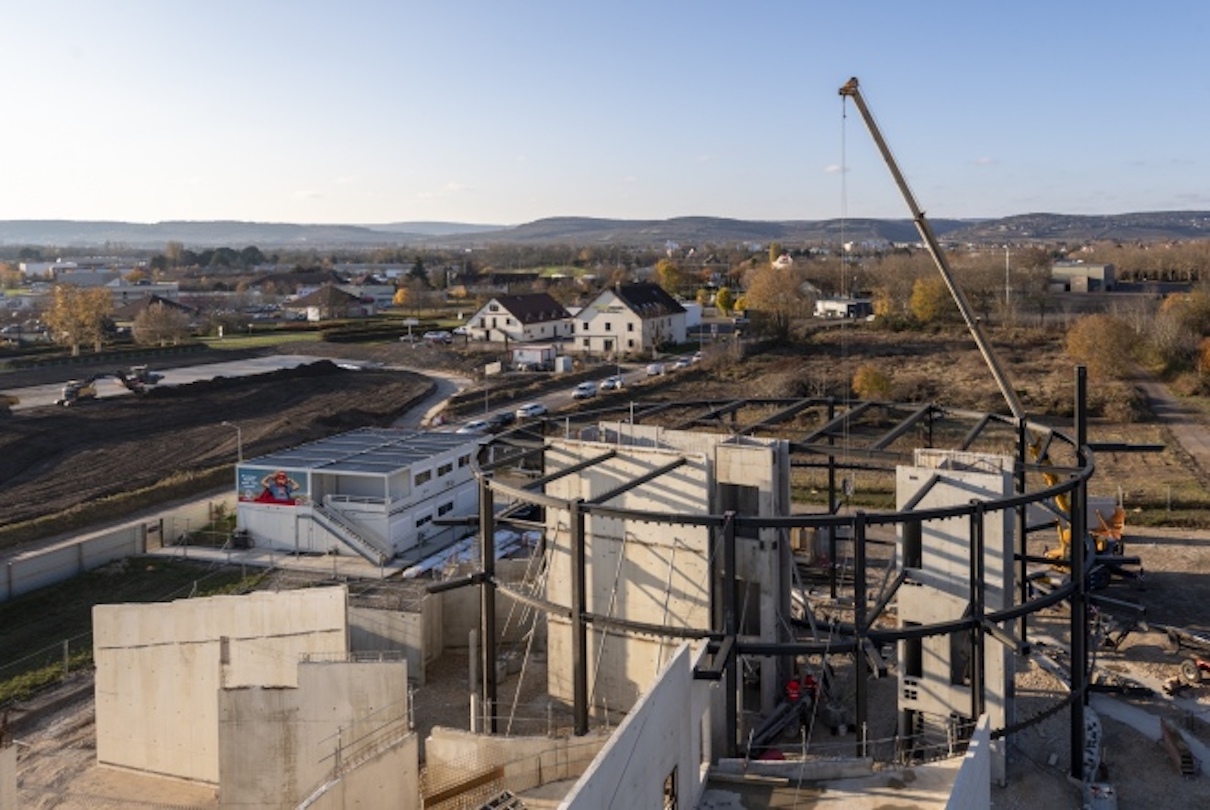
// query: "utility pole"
[[1007, 284]]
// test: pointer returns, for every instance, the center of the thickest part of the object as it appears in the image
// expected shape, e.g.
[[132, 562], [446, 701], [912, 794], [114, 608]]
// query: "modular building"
[[377, 492]]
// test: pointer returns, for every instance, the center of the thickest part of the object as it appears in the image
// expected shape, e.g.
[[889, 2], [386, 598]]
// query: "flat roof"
[[377, 451]]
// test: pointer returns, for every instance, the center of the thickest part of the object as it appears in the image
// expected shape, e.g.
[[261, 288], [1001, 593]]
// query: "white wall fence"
[[38, 568]]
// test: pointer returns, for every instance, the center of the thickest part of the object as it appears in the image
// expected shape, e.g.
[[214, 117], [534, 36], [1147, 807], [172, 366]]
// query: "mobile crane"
[[1108, 536]]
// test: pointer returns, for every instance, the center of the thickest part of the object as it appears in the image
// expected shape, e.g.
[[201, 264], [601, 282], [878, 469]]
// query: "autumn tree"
[[10, 276], [77, 316], [778, 295], [872, 382], [669, 276], [930, 300], [724, 300], [1104, 344], [400, 299], [160, 325]]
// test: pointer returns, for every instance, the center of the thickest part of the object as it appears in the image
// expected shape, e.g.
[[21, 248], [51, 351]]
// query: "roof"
[[132, 309], [328, 295], [533, 307], [648, 300], [375, 451]]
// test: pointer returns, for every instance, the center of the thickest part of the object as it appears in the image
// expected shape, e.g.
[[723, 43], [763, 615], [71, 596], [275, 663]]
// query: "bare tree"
[[160, 324]]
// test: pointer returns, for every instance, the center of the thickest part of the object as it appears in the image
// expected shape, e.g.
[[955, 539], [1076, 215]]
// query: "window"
[[445, 469], [583, 326], [464, 461], [586, 343], [423, 477], [608, 326], [493, 307], [670, 799], [629, 344], [445, 508], [630, 326], [423, 520]]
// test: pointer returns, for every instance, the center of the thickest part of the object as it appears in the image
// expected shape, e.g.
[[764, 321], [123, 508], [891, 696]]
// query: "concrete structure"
[[656, 574], [160, 669], [525, 318], [535, 357], [660, 754], [374, 492], [1083, 277], [630, 319], [340, 739], [944, 677], [972, 785]]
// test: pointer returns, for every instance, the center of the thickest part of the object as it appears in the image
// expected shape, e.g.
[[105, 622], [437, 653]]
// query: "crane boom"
[[853, 91]]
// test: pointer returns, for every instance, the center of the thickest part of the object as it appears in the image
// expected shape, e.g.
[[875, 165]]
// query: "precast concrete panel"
[[655, 743], [159, 668]]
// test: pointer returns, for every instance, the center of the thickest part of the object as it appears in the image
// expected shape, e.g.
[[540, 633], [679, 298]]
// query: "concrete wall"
[[371, 785], [972, 786], [460, 610], [277, 746], [373, 630], [644, 572], [660, 739], [939, 590], [452, 756], [159, 668], [37, 569]]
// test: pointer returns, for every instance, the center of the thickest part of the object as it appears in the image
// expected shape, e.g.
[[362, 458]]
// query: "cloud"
[[985, 161], [833, 168]]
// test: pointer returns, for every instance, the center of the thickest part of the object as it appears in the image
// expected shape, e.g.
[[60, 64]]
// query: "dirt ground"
[[53, 458]]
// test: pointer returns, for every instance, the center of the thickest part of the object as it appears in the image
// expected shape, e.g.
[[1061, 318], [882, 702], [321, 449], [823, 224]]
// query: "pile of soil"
[[52, 459]]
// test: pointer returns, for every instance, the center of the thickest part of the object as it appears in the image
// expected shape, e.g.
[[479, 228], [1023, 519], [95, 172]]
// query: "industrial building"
[[375, 492]]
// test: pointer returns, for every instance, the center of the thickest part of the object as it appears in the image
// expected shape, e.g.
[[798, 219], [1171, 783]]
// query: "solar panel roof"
[[377, 451]]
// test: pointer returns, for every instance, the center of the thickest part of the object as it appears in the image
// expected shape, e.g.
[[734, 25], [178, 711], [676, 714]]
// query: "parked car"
[[475, 426], [440, 336], [613, 383], [501, 420], [461, 330], [682, 362], [530, 410], [655, 369], [584, 390]]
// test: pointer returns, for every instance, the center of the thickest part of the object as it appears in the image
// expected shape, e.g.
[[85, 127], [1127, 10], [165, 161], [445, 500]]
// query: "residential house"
[[536, 316], [629, 319], [329, 302]]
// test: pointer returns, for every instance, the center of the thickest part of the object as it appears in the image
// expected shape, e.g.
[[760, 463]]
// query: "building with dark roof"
[[329, 302], [629, 319], [536, 316]]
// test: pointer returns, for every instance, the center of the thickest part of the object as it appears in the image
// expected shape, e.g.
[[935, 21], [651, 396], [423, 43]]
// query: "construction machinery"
[[1108, 535], [135, 381], [75, 391]]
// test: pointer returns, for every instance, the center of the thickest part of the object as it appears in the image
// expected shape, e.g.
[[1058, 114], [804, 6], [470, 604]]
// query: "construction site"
[[670, 603]]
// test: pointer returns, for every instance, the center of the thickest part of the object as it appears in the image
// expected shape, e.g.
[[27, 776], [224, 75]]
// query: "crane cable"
[[845, 359]]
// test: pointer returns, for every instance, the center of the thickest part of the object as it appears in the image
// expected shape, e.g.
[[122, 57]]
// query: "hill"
[[692, 230]]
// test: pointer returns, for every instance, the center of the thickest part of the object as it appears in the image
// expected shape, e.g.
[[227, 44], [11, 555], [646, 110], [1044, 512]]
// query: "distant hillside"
[[1171, 225]]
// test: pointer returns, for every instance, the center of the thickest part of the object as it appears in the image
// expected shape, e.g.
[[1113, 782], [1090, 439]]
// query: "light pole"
[[239, 441]]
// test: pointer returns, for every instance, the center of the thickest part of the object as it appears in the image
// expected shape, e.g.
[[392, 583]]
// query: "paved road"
[[1182, 420]]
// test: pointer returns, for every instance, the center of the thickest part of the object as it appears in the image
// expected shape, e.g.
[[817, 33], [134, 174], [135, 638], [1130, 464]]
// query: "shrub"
[[871, 382]]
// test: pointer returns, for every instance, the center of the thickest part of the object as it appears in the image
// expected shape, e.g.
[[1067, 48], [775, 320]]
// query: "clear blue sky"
[[503, 111]]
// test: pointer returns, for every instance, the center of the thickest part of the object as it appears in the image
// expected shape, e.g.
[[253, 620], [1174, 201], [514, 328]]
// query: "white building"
[[536, 316], [377, 492], [629, 319], [844, 307]]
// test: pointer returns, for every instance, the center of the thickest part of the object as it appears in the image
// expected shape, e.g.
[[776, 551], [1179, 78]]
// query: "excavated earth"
[[54, 458]]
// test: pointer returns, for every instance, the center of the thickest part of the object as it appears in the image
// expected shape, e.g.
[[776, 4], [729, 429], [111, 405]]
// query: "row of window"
[[442, 509], [424, 476]]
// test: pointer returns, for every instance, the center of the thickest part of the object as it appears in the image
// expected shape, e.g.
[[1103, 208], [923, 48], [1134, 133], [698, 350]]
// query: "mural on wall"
[[260, 485]]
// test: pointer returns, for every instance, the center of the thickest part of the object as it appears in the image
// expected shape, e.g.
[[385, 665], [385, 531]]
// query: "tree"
[[724, 300], [669, 276], [174, 252], [78, 315], [930, 299], [1104, 344], [160, 324], [703, 297], [400, 298], [871, 382], [418, 271], [776, 293], [10, 277]]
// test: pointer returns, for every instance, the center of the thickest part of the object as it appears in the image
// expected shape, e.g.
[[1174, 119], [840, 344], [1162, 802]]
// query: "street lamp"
[[239, 441]]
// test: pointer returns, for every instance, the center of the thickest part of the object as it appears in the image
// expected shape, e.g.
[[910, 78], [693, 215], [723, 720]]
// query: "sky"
[[503, 112]]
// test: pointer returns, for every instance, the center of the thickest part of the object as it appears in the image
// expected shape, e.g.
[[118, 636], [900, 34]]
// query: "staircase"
[[357, 538]]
